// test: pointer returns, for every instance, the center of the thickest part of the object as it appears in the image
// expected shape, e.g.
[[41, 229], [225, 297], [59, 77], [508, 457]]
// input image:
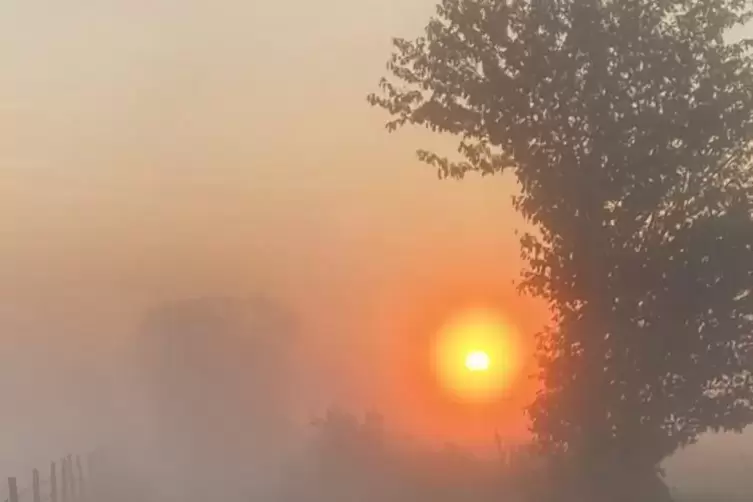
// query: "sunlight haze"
[[153, 152]]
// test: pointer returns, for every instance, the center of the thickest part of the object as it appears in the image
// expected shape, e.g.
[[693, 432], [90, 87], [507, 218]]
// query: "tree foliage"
[[629, 125], [350, 458]]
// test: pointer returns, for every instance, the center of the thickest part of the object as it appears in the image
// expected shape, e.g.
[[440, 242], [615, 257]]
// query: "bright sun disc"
[[477, 361], [476, 356]]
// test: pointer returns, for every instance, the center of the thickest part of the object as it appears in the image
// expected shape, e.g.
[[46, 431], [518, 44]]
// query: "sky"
[[153, 151]]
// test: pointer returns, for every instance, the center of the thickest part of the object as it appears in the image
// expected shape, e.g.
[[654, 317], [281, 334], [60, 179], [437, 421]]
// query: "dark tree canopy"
[[629, 125]]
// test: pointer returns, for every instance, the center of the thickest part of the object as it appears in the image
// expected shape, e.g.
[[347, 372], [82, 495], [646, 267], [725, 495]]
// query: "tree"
[[350, 458], [217, 372], [629, 126]]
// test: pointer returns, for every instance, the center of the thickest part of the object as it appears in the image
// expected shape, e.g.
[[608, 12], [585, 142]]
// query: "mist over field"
[[218, 268]]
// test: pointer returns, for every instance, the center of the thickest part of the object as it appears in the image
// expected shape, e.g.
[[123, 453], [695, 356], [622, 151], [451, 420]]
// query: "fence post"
[[80, 469], [35, 485], [63, 480], [53, 483], [71, 479], [12, 490]]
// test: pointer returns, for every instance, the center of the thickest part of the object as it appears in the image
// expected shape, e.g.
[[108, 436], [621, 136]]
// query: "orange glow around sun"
[[459, 365], [475, 355]]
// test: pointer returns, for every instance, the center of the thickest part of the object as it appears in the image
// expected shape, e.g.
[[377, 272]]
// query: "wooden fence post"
[[35, 485], [72, 479], [12, 490], [80, 469], [63, 480], [53, 483]]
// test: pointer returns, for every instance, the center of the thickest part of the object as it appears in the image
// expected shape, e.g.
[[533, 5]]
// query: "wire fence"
[[67, 480]]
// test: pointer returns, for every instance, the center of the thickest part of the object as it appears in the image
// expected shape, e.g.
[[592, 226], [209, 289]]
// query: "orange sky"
[[150, 154], [160, 150]]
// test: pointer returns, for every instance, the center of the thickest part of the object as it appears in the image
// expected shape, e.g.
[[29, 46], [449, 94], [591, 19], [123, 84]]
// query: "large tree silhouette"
[[628, 124]]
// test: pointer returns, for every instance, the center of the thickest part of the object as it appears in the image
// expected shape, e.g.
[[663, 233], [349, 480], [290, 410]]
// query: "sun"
[[476, 356], [477, 360]]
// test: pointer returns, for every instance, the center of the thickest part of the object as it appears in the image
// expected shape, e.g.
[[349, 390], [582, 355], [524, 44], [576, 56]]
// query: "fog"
[[173, 155], [158, 155]]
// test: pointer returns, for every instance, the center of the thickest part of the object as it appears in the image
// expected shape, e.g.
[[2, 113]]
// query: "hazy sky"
[[158, 150], [152, 153]]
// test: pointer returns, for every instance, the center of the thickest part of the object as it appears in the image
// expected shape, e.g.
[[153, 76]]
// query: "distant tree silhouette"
[[217, 374], [628, 124], [350, 458], [347, 459]]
